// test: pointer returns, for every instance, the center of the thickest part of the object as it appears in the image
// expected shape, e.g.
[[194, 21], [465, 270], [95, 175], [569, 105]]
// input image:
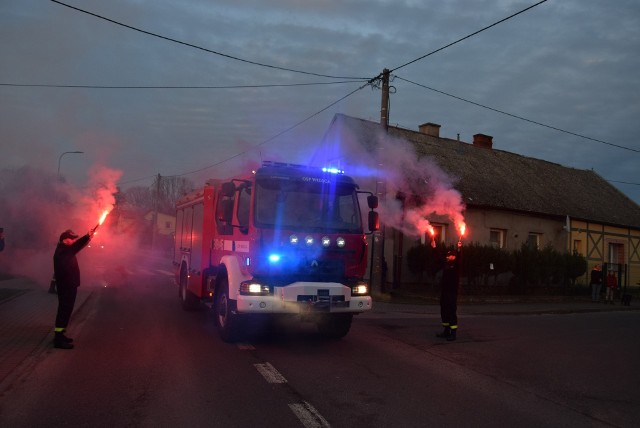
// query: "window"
[[577, 246], [497, 237], [303, 205], [244, 203], [616, 253], [224, 208], [438, 235], [533, 241], [167, 225]]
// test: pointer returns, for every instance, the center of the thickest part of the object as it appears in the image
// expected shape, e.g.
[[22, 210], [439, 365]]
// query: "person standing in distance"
[[449, 295], [596, 283], [67, 273]]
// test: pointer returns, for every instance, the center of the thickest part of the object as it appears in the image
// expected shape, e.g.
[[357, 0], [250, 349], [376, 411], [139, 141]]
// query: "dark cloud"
[[572, 65]]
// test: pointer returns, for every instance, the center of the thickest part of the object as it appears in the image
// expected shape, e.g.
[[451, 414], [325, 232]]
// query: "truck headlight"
[[360, 289], [254, 288]]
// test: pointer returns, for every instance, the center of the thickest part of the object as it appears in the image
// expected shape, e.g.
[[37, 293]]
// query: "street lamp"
[[60, 159]]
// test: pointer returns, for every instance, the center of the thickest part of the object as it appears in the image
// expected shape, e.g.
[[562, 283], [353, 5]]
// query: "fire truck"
[[283, 240]]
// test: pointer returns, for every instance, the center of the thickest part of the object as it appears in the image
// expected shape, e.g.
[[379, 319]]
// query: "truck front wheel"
[[228, 320], [335, 326]]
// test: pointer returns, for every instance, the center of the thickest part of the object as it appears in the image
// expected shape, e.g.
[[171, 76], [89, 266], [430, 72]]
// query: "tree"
[[165, 191], [139, 198]]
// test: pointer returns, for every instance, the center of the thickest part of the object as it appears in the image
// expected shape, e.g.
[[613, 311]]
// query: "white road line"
[[308, 415], [165, 272], [270, 373]]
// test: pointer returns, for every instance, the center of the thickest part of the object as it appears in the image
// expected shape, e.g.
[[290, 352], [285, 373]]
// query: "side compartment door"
[[195, 283], [185, 245], [177, 239]]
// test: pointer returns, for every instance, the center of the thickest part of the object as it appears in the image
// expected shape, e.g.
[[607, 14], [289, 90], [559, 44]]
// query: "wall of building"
[[515, 229], [602, 244]]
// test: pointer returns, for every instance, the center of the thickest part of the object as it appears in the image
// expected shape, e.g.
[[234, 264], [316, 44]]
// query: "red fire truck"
[[282, 240]]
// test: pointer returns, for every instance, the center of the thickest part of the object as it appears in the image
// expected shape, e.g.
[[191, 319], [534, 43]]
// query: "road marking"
[[245, 346], [270, 373], [165, 272], [308, 415]]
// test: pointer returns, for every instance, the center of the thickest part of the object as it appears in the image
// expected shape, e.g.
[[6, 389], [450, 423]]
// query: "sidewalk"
[[27, 314], [495, 305]]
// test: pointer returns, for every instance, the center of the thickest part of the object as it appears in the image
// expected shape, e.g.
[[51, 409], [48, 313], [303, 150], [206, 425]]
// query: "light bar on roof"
[[332, 170]]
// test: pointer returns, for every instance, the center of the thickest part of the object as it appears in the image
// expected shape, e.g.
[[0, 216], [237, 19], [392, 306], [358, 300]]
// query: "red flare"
[[102, 218], [431, 230]]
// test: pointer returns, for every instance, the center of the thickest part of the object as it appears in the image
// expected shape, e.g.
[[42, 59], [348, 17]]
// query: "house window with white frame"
[[438, 236], [533, 241], [497, 237], [577, 246]]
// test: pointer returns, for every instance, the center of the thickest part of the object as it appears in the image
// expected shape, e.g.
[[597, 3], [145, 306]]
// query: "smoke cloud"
[[416, 188], [37, 207], [412, 187]]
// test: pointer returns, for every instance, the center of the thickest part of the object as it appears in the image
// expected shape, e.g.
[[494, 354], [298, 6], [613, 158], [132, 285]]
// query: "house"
[[165, 223], [510, 199]]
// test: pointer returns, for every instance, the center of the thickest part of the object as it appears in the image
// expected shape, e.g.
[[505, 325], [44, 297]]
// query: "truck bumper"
[[306, 298]]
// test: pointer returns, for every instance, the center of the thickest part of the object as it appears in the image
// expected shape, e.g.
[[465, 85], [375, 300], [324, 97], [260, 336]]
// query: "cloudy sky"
[[146, 105]]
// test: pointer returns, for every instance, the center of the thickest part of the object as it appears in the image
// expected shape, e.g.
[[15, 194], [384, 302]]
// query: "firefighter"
[[67, 274], [449, 295]]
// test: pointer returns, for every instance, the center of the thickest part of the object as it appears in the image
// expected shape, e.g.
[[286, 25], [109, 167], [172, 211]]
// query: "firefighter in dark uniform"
[[449, 295], [67, 274]]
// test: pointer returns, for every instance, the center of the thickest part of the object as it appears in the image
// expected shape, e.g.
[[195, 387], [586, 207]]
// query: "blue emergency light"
[[274, 258], [333, 170]]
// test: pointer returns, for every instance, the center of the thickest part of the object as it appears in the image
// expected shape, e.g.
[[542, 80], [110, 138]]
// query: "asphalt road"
[[140, 361]]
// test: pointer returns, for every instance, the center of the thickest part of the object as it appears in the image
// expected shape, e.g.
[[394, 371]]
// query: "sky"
[[145, 105]]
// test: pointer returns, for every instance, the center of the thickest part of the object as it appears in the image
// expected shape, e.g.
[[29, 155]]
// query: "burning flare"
[[462, 228], [102, 218], [104, 215]]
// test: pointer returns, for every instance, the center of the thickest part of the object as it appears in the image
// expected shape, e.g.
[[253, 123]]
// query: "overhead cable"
[[519, 117], [469, 36], [265, 141], [273, 85], [204, 49]]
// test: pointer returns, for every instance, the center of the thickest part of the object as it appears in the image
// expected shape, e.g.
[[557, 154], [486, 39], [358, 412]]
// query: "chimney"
[[431, 129], [484, 141]]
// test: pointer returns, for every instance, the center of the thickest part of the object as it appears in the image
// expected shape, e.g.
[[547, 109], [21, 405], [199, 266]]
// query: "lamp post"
[[60, 159]]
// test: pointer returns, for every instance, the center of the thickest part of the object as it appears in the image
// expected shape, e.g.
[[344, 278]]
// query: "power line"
[[469, 36], [623, 182], [519, 117], [265, 141], [201, 48], [273, 85]]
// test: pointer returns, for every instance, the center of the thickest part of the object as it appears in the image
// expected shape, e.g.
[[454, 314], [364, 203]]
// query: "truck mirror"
[[374, 221], [228, 189], [372, 201]]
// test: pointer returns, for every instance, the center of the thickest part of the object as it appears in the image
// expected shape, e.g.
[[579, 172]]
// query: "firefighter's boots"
[[61, 341], [446, 332]]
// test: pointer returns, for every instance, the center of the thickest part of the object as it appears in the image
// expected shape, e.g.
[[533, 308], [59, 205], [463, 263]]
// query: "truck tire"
[[188, 301], [228, 320], [335, 326]]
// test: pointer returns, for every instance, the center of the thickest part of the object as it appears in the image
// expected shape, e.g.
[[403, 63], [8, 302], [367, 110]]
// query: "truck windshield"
[[302, 205]]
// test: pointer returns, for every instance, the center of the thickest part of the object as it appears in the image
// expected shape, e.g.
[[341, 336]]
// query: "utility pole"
[[378, 269], [384, 103]]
